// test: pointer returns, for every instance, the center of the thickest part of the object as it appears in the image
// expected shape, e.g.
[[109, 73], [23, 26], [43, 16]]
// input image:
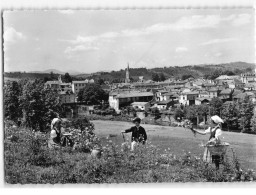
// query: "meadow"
[[180, 140], [171, 155]]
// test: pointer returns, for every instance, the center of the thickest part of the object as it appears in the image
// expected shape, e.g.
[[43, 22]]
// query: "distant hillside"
[[55, 71], [177, 71], [24, 75], [119, 76]]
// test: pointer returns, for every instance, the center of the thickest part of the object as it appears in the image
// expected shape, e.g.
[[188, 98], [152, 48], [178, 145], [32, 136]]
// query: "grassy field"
[[179, 140]]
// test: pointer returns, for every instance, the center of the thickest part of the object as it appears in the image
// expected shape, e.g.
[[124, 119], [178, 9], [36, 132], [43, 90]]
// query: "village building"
[[141, 105], [188, 98], [226, 95], [241, 96], [78, 85], [159, 95], [170, 96], [53, 84], [164, 105], [213, 92], [122, 99], [67, 97], [202, 100], [248, 77], [65, 87]]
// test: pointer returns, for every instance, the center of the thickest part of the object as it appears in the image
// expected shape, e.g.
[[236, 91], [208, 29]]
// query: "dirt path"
[[180, 139]]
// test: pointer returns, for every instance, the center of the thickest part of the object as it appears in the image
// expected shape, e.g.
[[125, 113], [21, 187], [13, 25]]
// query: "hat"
[[217, 119], [136, 120]]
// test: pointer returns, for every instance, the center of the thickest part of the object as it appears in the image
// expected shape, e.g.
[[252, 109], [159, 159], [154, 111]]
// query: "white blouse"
[[217, 133]]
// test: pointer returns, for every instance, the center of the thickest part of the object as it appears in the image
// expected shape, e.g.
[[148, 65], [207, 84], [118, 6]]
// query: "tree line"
[[237, 115], [34, 105]]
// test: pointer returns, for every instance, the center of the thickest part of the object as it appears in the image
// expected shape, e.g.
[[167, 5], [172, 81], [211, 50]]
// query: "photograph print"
[[129, 96]]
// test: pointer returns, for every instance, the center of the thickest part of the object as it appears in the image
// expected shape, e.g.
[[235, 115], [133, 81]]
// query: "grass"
[[179, 139], [172, 155]]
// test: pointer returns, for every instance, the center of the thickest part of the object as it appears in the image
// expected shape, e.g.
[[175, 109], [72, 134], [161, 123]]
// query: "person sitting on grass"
[[138, 133], [215, 132], [55, 136]]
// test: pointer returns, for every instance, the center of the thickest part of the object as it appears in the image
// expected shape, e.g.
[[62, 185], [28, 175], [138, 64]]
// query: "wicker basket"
[[218, 149]]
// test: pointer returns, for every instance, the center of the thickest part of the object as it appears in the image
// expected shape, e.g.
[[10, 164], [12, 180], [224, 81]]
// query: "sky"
[[89, 41]]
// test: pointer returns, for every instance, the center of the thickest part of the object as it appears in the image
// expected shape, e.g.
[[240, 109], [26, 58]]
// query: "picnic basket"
[[217, 149]]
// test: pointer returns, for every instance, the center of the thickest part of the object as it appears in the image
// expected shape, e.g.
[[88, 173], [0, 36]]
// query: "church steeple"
[[127, 77]]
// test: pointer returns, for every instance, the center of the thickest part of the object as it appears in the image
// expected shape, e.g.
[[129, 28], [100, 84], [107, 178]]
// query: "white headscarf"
[[54, 121], [217, 119]]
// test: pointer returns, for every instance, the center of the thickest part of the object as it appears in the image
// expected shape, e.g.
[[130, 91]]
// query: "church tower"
[[59, 79], [127, 75]]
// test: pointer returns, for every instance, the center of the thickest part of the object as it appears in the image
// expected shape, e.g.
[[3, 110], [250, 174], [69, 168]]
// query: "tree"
[[186, 76], [12, 109], [67, 78], [191, 114], [229, 73], [46, 79], [39, 105], [253, 122], [92, 94], [155, 77], [52, 76], [155, 111], [229, 114], [178, 114], [245, 108], [215, 106], [100, 81], [162, 77], [203, 111]]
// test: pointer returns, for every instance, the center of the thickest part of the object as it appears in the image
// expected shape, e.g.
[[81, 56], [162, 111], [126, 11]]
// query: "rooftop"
[[52, 82], [204, 98], [226, 91], [164, 102], [191, 93], [139, 103], [127, 94]]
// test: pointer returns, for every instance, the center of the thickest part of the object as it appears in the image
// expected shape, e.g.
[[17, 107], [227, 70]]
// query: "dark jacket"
[[138, 135]]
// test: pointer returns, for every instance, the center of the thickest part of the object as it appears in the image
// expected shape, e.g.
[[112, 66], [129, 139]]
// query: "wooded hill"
[[203, 70], [178, 71]]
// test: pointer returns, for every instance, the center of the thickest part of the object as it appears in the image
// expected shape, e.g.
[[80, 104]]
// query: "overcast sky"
[[90, 41]]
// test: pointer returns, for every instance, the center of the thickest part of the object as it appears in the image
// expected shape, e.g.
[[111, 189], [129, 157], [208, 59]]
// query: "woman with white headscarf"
[[215, 132], [55, 135]]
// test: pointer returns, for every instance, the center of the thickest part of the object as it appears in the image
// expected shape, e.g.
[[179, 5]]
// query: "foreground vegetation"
[[28, 160]]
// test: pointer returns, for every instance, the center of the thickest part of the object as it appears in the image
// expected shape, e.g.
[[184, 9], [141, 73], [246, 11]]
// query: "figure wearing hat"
[[138, 133], [215, 132], [55, 135]]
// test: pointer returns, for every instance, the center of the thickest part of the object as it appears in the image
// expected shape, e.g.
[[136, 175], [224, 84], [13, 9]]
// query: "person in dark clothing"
[[139, 134]]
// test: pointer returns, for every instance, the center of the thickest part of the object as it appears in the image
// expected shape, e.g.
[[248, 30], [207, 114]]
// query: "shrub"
[[29, 161]]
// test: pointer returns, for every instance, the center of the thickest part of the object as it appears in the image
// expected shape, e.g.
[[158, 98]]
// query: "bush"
[[29, 161], [178, 114]]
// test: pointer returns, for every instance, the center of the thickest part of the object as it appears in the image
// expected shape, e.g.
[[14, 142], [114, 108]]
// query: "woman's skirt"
[[208, 157], [52, 144]]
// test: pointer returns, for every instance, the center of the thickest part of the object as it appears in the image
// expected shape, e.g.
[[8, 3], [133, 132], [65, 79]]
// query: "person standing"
[[215, 132], [139, 134]]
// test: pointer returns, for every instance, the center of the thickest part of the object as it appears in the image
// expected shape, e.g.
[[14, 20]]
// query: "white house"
[[125, 98], [188, 98], [78, 85]]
